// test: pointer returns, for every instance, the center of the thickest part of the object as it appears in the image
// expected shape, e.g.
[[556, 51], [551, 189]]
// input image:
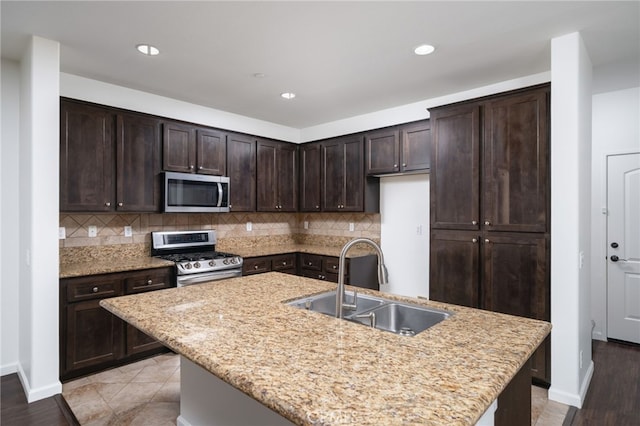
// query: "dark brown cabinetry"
[[344, 187], [110, 160], [277, 176], [241, 169], [285, 263], [399, 149], [91, 338], [310, 184], [190, 149], [489, 207]]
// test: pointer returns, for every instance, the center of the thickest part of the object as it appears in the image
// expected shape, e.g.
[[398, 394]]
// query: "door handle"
[[615, 258]]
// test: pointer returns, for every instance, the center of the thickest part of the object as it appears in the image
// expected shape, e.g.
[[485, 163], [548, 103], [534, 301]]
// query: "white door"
[[623, 251]]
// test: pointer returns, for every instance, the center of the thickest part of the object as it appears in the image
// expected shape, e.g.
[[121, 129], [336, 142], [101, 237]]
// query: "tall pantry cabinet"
[[490, 204]]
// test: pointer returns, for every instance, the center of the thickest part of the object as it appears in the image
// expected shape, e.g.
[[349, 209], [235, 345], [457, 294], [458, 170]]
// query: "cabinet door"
[[353, 175], [287, 172], [455, 172], [148, 280], [515, 170], [138, 342], [382, 151], [94, 336], [178, 148], [334, 178], [241, 169], [516, 275], [138, 163], [86, 158], [256, 265], [454, 276], [211, 152], [310, 155], [416, 147], [267, 177]]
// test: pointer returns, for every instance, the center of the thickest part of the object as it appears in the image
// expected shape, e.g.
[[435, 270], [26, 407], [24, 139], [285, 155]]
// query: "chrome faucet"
[[382, 273]]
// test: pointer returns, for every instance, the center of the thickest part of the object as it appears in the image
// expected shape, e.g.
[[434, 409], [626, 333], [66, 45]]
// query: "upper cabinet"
[[277, 176], [344, 187], [310, 177], [399, 149], [109, 160], [191, 149], [515, 163], [241, 169]]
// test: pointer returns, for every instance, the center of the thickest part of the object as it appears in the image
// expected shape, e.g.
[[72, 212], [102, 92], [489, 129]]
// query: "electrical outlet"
[[62, 233], [351, 227], [92, 231], [128, 232], [581, 259], [249, 226], [306, 224]]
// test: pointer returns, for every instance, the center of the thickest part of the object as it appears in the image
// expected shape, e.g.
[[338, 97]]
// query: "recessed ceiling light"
[[288, 95], [147, 49], [424, 49]]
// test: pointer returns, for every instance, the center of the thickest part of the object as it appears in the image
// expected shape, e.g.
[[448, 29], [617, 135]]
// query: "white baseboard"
[[572, 399], [39, 393], [8, 369]]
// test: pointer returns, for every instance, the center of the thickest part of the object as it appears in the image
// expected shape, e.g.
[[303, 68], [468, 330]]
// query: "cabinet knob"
[[191, 167], [255, 266], [200, 168], [395, 166], [486, 222], [310, 263], [149, 282], [108, 204], [474, 240], [317, 207], [473, 222], [95, 289], [230, 206], [284, 263], [120, 204], [486, 240], [335, 267], [404, 164]]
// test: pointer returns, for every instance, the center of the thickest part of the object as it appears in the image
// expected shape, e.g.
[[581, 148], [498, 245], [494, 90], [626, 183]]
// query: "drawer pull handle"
[[95, 289]]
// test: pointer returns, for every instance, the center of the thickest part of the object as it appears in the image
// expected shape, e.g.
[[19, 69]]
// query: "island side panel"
[[207, 400]]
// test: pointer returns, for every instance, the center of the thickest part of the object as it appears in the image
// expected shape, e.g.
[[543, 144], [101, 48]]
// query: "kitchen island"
[[314, 369]]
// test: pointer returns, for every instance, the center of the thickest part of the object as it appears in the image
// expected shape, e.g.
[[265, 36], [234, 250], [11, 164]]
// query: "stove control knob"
[[196, 265], [232, 260], [187, 266], [226, 261], [211, 263]]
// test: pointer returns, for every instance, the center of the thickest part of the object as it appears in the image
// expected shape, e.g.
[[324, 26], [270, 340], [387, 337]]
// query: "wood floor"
[[614, 394], [15, 411], [613, 397]]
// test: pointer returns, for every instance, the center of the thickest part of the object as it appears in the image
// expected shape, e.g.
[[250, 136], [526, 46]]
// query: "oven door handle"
[[187, 280]]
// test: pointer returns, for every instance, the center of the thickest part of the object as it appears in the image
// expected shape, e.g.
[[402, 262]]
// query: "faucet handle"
[[351, 306]]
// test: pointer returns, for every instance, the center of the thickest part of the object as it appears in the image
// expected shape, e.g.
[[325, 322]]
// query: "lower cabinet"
[[497, 271], [360, 271], [91, 338]]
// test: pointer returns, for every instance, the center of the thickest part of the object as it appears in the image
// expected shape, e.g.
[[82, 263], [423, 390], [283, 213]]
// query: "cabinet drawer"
[[286, 261], [311, 261], [148, 281], [311, 273], [93, 288], [331, 265], [256, 265]]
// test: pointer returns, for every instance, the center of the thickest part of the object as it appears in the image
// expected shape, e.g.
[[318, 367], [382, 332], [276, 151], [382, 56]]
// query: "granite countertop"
[[94, 267], [298, 248], [308, 366]]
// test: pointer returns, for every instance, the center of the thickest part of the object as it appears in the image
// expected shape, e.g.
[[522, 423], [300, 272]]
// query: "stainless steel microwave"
[[193, 193]]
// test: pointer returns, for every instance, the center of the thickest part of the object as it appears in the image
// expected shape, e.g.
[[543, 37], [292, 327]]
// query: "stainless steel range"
[[195, 255]]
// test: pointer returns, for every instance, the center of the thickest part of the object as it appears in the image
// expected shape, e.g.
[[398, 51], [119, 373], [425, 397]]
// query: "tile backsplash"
[[266, 228]]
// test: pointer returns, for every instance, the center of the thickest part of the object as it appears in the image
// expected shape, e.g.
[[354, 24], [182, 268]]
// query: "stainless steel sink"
[[325, 303], [384, 314], [401, 318]]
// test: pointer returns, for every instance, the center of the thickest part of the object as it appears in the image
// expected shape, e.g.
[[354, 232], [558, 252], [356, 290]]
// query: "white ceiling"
[[342, 59]]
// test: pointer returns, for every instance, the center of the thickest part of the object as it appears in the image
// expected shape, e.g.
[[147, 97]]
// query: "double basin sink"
[[384, 314]]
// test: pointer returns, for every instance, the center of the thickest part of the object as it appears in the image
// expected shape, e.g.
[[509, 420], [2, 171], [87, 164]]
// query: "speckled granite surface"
[[268, 250], [94, 267], [315, 369]]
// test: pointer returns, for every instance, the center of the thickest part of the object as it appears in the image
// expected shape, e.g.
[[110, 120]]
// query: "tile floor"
[[143, 393], [148, 393]]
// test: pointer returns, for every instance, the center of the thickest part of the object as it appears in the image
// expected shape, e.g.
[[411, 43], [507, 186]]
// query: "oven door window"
[[191, 193]]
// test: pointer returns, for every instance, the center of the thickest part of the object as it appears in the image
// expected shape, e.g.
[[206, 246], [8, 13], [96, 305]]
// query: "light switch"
[[351, 226], [92, 231], [249, 226], [306, 224], [128, 232], [62, 233]]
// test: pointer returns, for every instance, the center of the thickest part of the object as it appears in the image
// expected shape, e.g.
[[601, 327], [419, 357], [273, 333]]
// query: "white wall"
[[571, 365], [37, 253], [404, 220], [616, 130], [9, 217]]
